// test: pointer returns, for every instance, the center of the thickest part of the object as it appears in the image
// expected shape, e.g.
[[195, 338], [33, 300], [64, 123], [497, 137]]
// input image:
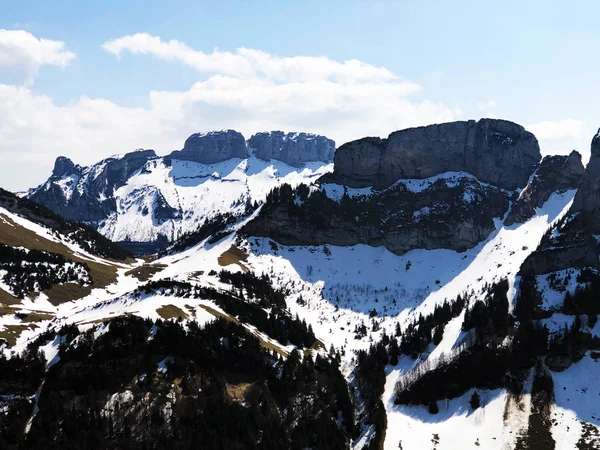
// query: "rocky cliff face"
[[433, 187], [556, 173], [498, 152], [587, 199], [572, 242], [85, 193], [63, 166], [212, 147], [294, 149], [454, 212]]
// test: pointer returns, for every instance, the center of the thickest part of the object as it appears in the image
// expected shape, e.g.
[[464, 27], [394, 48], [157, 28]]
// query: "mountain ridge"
[[313, 272]]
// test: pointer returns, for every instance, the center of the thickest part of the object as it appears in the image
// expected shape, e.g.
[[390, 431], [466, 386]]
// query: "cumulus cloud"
[[252, 90], [34, 130], [248, 90], [245, 62], [558, 130], [22, 54]]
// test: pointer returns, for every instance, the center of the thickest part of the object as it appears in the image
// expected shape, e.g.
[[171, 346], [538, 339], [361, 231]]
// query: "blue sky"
[[535, 63]]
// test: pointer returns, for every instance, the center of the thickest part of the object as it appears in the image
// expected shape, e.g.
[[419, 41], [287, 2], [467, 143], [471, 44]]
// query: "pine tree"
[[438, 334], [475, 401], [394, 352], [433, 407]]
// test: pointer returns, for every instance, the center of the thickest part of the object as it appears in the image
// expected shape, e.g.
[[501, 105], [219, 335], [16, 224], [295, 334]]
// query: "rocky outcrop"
[[294, 149], [87, 194], [63, 166], [572, 241], [162, 210], [212, 147], [498, 152], [556, 173], [587, 199], [117, 170], [455, 213]]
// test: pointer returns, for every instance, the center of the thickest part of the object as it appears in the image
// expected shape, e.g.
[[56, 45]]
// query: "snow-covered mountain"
[[140, 198], [459, 291]]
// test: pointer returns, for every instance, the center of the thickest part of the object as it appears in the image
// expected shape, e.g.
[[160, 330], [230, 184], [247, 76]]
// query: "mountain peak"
[[212, 147], [587, 199], [292, 148], [64, 166], [496, 151]]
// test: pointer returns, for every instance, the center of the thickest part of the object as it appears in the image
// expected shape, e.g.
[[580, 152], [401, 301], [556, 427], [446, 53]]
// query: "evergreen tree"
[[475, 401]]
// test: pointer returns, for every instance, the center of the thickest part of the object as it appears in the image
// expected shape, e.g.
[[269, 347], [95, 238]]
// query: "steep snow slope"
[[194, 192], [341, 286]]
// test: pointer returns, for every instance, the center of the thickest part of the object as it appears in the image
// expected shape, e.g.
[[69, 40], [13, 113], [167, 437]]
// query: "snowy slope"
[[338, 288], [167, 198]]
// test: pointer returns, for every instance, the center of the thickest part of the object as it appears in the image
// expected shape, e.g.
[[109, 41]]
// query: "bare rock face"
[[587, 199], [498, 152], [63, 166], [85, 193], [455, 213], [556, 173], [212, 147], [483, 163], [118, 170], [572, 241], [294, 149]]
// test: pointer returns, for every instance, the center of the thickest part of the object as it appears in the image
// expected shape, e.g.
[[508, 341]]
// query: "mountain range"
[[433, 289]]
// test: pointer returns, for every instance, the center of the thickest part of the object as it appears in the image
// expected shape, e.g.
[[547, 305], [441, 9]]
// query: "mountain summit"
[[145, 201]]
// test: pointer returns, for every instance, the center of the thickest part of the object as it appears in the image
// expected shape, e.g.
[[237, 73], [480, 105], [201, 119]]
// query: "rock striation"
[[557, 173], [294, 149], [498, 152], [212, 147]]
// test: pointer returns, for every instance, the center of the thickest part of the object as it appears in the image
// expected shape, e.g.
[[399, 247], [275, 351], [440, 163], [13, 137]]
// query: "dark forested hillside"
[[139, 384]]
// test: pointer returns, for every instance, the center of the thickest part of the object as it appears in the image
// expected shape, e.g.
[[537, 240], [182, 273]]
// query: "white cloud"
[[34, 130], [558, 130], [249, 91], [22, 54], [247, 62]]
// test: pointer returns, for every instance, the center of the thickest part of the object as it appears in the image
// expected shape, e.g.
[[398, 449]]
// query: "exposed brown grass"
[[219, 314], [62, 293], [191, 310], [11, 333], [35, 316], [5, 309], [7, 299], [16, 235], [145, 272], [233, 256], [171, 312], [26, 317]]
